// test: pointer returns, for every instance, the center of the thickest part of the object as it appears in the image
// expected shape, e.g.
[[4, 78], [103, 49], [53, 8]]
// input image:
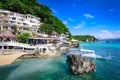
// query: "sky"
[[100, 18]]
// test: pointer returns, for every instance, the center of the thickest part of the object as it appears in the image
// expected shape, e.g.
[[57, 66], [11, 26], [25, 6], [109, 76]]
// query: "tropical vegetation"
[[50, 22], [85, 38], [22, 38]]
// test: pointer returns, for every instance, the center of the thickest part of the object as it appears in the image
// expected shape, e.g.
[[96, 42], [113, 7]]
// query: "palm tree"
[[15, 29], [34, 34]]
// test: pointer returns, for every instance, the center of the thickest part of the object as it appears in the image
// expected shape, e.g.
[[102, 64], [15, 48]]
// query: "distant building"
[[23, 21], [54, 34], [63, 37]]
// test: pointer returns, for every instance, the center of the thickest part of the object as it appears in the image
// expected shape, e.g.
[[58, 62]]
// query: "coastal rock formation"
[[79, 65], [75, 45]]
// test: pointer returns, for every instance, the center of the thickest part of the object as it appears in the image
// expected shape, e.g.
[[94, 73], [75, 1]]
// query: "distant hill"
[[85, 38], [50, 22]]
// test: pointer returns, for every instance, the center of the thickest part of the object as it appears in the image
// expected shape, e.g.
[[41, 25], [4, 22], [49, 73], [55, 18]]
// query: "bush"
[[22, 38]]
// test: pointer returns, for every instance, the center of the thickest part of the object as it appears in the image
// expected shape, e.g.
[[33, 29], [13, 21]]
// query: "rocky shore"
[[45, 55], [79, 65]]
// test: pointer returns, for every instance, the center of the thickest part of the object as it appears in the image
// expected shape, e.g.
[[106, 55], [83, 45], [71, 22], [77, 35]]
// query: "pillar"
[[23, 48], [2, 47], [42, 50], [2, 43], [1, 28]]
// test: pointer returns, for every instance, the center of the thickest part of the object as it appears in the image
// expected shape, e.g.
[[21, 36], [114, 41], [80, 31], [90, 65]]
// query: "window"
[[20, 28], [12, 22], [31, 21], [12, 27], [22, 19], [24, 24], [13, 18]]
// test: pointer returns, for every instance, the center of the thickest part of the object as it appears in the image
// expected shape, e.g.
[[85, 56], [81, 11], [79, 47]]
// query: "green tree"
[[34, 34], [22, 38], [46, 28], [85, 38], [15, 29], [50, 22]]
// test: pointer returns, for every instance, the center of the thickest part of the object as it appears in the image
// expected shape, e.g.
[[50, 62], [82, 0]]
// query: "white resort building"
[[26, 23], [9, 19]]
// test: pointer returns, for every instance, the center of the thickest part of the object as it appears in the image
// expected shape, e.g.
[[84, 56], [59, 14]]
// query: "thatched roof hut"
[[54, 33], [67, 33], [7, 34]]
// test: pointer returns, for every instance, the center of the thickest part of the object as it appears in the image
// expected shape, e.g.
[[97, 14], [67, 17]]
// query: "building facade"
[[9, 19]]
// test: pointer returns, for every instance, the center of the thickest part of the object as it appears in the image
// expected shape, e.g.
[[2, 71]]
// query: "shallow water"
[[56, 68]]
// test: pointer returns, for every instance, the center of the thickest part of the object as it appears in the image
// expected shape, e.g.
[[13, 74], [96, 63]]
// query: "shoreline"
[[9, 56], [45, 55], [7, 59]]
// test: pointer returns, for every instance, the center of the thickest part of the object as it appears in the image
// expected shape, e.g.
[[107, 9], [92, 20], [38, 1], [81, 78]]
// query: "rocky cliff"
[[79, 65]]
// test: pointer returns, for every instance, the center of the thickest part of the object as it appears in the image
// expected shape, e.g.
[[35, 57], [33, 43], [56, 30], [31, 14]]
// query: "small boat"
[[88, 53], [83, 52], [104, 58]]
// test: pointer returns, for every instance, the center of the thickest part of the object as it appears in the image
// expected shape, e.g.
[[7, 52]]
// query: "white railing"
[[15, 51]]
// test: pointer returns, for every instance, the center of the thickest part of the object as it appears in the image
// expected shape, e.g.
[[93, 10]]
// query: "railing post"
[[2, 47]]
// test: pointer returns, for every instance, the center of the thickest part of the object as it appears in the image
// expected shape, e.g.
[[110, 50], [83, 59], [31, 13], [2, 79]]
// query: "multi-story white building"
[[23, 22]]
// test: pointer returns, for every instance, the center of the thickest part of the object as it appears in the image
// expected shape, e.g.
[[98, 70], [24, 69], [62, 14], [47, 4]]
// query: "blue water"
[[56, 68]]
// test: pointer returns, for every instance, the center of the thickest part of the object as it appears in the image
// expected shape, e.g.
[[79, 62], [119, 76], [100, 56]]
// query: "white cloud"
[[82, 24], [105, 34], [65, 22], [70, 19], [78, 26], [118, 31], [111, 10], [54, 11], [105, 31], [88, 16], [93, 22]]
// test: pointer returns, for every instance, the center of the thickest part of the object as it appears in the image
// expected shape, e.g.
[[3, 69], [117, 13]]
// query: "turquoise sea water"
[[56, 68]]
